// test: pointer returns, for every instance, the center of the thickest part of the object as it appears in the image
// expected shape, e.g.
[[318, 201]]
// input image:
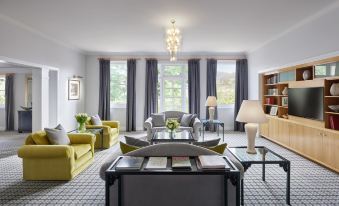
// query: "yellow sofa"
[[43, 161], [110, 133]]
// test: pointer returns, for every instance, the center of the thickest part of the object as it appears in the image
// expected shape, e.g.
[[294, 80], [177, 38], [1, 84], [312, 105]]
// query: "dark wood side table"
[[264, 156], [24, 121]]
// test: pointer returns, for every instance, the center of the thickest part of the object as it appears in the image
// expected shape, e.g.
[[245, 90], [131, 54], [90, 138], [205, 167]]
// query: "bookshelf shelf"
[[335, 113], [331, 96]]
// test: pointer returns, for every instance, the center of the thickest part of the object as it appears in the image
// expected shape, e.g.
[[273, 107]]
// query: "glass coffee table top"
[[263, 155], [178, 136]]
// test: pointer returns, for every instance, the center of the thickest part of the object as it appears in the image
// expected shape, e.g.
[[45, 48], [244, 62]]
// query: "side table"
[[207, 122]]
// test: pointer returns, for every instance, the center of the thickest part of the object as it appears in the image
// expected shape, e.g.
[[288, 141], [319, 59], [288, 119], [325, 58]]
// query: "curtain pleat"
[[211, 89], [131, 104], [194, 86], [9, 102], [104, 89], [241, 90], [151, 94]]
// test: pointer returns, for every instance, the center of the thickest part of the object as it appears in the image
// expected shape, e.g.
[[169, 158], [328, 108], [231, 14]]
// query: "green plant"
[[81, 118], [172, 124]]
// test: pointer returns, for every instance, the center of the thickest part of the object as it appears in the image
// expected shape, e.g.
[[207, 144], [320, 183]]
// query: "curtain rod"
[[167, 58]]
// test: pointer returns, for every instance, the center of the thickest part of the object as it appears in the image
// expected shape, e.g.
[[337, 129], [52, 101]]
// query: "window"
[[118, 84], [226, 82], [172, 87], [2, 91]]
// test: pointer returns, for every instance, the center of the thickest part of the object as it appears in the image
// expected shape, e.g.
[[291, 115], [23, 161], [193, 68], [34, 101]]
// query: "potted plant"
[[172, 125], [81, 119]]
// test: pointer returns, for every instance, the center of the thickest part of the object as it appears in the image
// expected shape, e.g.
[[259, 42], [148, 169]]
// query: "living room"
[[169, 87]]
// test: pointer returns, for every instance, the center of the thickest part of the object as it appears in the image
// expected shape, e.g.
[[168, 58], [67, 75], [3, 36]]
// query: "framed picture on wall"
[[73, 89], [274, 111], [284, 101]]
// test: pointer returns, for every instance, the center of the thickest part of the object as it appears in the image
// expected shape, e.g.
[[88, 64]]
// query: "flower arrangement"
[[81, 119], [172, 124]]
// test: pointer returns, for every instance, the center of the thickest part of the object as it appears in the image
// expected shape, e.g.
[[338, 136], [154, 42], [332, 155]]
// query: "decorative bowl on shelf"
[[26, 108], [334, 108]]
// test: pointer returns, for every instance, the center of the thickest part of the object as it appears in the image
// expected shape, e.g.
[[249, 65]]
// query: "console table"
[[264, 156], [168, 187]]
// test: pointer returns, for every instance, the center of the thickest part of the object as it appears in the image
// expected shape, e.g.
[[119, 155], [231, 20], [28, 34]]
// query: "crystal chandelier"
[[173, 40]]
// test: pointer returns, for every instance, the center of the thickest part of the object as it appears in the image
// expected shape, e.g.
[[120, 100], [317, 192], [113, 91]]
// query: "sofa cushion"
[[193, 119], [57, 135], [40, 138], [114, 131], [136, 142], [209, 143], [186, 120], [158, 120], [219, 148], [80, 149], [125, 148], [95, 120]]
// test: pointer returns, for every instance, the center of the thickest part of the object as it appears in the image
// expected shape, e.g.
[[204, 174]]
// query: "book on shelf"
[[129, 163], [156, 163], [334, 122], [213, 162], [181, 163]]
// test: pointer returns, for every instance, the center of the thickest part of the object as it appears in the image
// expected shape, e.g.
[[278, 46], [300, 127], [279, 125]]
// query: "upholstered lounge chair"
[[110, 133]]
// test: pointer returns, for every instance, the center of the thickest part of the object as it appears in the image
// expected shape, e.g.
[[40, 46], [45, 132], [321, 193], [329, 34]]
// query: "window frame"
[[118, 105], [2, 106], [183, 78], [226, 106]]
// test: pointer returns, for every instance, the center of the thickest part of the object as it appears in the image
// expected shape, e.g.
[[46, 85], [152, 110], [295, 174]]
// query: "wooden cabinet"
[[296, 137], [264, 129], [312, 143], [330, 149], [273, 128], [283, 132]]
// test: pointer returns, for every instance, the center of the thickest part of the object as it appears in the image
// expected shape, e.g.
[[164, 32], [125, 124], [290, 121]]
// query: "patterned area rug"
[[311, 184]]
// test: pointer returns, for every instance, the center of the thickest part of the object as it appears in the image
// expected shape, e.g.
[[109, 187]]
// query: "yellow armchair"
[[110, 133], [56, 162]]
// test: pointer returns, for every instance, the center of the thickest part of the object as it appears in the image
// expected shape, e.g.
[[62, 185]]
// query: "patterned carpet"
[[311, 184]]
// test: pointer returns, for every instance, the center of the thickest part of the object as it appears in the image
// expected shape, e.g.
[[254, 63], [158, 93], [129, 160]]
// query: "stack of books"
[[130, 163], [181, 163], [212, 162]]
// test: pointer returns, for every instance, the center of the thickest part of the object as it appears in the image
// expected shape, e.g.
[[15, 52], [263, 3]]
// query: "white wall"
[[22, 43], [92, 92], [315, 39]]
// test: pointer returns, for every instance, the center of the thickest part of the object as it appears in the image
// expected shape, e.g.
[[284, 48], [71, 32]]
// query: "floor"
[[311, 184]]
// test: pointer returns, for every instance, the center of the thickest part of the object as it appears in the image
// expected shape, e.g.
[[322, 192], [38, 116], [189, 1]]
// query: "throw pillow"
[[136, 142], [57, 135], [209, 143], [95, 120], [219, 148], [186, 120], [193, 119], [158, 120], [40, 138], [125, 148]]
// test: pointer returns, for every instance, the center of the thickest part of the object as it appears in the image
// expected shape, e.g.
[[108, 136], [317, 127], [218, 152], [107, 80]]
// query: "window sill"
[[227, 106]]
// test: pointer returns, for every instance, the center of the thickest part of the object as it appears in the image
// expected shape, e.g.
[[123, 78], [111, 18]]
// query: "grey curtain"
[[151, 94], [130, 110], [194, 86], [9, 101], [241, 90], [211, 89], [104, 89]]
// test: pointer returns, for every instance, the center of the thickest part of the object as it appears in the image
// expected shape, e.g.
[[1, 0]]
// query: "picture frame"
[[73, 89], [284, 101], [274, 111]]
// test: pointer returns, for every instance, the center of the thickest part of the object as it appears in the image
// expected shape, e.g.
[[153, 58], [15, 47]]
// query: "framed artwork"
[[73, 89], [274, 111], [284, 101]]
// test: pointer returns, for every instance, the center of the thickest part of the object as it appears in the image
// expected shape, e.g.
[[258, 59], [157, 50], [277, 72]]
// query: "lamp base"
[[211, 111], [251, 132]]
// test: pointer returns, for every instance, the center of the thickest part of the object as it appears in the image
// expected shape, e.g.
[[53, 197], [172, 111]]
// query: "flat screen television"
[[306, 102]]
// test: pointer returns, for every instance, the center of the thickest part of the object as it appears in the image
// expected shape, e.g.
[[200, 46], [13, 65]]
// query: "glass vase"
[[82, 127]]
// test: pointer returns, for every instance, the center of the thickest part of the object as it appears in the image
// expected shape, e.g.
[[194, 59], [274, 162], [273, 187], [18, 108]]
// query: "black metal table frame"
[[112, 175], [155, 140], [284, 163], [205, 123]]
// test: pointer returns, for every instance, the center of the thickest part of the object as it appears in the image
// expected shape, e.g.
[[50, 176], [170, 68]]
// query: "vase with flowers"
[[81, 119], [172, 125]]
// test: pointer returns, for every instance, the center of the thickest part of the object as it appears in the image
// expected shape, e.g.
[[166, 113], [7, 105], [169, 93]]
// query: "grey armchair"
[[194, 128]]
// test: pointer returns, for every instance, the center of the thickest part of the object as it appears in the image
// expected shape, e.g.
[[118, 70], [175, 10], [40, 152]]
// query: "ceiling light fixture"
[[173, 41]]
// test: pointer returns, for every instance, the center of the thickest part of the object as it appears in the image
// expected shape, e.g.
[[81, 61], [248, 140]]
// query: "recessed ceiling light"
[[2, 61]]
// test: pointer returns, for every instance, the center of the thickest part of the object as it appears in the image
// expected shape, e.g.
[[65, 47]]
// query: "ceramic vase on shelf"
[[285, 91], [306, 75], [334, 90]]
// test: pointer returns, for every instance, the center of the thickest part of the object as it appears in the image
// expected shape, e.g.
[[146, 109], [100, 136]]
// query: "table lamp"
[[252, 114], [211, 103]]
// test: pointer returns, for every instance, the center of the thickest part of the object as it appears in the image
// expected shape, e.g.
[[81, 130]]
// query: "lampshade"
[[251, 112], [211, 101]]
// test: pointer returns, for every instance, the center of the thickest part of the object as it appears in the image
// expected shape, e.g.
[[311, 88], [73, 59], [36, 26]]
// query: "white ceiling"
[[138, 26]]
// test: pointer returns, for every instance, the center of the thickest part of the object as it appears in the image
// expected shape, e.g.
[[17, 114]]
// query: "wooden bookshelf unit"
[[313, 139]]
